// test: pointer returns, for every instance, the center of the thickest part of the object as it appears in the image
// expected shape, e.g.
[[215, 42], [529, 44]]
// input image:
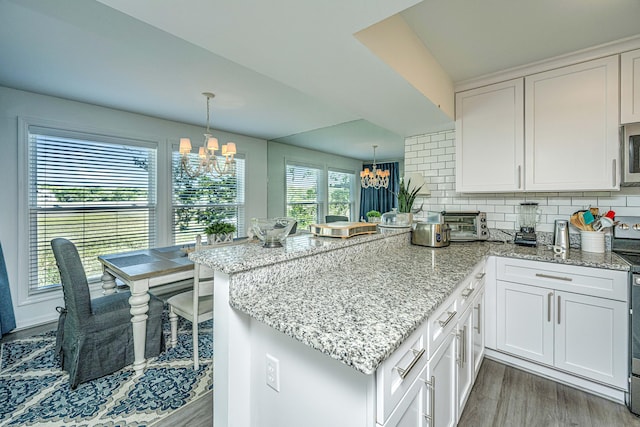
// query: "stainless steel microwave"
[[631, 155]]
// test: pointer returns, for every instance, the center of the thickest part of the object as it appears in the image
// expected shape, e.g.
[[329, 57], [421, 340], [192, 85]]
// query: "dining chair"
[[95, 336], [335, 218], [195, 305]]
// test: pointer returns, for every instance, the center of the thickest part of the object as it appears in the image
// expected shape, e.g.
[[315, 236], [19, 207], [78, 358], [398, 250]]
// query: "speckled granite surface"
[[358, 299]]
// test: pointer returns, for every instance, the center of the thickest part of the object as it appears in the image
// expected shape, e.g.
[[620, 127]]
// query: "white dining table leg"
[[139, 302], [108, 283]]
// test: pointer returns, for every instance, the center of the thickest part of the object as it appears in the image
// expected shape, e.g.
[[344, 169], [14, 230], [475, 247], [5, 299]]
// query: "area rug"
[[34, 391]]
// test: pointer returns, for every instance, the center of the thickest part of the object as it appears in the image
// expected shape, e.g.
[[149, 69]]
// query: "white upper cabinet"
[[557, 131], [571, 128], [489, 138], [630, 87]]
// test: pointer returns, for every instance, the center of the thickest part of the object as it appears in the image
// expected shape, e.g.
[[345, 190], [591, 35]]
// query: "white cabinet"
[[465, 361], [490, 138], [559, 133], [412, 410], [478, 331], [571, 127], [546, 317], [441, 376], [630, 87]]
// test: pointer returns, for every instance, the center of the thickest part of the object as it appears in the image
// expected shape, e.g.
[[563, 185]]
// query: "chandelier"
[[375, 177], [208, 162]]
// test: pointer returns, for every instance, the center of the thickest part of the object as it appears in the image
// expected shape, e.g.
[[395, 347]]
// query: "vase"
[[216, 239]]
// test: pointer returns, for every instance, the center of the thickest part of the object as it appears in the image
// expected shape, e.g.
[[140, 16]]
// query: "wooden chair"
[[195, 305]]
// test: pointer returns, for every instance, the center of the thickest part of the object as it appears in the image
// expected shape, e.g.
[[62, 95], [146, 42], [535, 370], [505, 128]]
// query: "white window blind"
[[99, 192], [341, 193], [303, 194], [196, 202]]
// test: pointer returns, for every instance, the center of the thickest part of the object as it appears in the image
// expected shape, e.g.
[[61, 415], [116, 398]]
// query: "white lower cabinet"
[[441, 375], [554, 325], [479, 323], [464, 360]]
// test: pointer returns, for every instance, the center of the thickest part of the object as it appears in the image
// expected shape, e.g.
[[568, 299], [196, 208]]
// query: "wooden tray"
[[342, 229]]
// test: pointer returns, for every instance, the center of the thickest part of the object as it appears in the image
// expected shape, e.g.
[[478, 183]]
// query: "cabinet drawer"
[[469, 287], [442, 322], [399, 371], [597, 282]]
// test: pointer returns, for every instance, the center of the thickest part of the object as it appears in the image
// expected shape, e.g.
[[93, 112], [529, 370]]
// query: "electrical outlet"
[[273, 372]]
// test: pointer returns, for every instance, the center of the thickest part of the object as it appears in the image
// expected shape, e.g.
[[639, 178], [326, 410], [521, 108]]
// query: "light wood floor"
[[505, 396]]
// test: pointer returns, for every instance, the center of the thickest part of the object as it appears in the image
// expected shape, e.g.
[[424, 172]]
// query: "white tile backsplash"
[[434, 156]]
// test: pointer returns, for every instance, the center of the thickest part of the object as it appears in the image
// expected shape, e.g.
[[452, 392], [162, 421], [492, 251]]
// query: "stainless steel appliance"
[[466, 226], [528, 217], [630, 155], [626, 243], [561, 234], [435, 235]]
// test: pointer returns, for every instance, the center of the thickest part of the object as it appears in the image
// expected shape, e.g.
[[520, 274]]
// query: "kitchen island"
[[317, 318]]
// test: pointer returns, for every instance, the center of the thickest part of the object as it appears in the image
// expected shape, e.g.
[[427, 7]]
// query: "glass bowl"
[[272, 231]]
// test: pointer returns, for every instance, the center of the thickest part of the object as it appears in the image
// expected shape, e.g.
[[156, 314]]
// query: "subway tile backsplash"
[[434, 156]]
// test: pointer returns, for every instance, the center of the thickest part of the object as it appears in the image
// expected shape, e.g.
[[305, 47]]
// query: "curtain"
[[7, 318], [384, 199]]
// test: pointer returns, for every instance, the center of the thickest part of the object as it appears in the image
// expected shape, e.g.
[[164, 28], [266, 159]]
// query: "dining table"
[[142, 270]]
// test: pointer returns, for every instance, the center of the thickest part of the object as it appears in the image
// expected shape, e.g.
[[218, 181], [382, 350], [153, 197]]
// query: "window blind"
[[196, 202], [99, 192], [303, 194]]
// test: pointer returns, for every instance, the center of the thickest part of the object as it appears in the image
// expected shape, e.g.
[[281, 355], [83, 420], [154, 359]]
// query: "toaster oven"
[[466, 226]]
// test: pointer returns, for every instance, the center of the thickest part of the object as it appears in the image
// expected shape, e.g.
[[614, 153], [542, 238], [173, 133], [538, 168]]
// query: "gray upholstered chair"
[[335, 218], [95, 337]]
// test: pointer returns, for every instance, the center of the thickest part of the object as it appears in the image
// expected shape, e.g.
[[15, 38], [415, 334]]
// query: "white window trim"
[[24, 122], [354, 193]]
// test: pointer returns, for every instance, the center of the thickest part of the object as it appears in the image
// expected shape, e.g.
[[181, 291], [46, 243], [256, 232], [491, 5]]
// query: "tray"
[[343, 229]]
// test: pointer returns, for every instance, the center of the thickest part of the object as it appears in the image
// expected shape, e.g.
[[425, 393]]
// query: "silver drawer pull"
[[405, 371], [432, 401], [467, 292], [480, 276], [549, 276], [445, 322]]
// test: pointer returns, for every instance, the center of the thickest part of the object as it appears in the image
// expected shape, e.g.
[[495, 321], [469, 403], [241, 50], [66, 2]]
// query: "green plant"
[[406, 197], [219, 227], [373, 213]]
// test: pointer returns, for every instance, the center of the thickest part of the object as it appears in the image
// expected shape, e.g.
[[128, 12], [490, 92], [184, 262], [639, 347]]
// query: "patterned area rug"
[[34, 391]]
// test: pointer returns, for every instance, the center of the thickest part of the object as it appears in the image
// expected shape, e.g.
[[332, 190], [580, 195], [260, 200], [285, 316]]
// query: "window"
[[341, 193], [99, 192], [196, 202], [303, 194]]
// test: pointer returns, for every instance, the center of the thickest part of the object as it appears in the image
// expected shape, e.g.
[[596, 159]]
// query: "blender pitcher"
[[529, 217]]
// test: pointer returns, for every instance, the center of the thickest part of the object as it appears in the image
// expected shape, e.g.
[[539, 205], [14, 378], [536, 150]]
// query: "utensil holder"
[[592, 241]]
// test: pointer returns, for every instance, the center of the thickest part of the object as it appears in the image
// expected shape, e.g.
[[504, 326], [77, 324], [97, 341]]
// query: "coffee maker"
[[528, 216]]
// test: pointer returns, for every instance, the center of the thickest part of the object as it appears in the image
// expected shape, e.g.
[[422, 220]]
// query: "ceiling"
[[285, 70]]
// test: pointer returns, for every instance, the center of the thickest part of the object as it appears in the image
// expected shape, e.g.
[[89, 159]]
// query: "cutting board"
[[342, 229]]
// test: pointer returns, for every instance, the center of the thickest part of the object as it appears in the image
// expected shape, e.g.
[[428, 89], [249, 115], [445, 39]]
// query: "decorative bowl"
[[272, 231]]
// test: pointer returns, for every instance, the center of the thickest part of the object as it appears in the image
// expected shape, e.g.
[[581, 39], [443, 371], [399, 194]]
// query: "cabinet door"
[[630, 87], [465, 362], [490, 138], [591, 337], [441, 374], [571, 138], [525, 321], [478, 331]]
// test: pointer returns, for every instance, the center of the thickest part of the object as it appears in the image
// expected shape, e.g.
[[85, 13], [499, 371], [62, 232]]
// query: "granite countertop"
[[360, 312]]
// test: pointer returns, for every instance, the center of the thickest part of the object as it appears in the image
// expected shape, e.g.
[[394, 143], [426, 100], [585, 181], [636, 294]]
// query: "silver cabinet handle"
[[549, 296], [519, 176], [467, 292], [558, 309], [464, 345], [432, 401], [417, 354], [615, 178], [445, 322], [549, 276], [479, 308], [480, 276]]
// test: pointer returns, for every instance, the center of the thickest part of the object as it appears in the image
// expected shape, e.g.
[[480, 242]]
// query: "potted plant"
[[219, 232], [406, 197], [373, 216]]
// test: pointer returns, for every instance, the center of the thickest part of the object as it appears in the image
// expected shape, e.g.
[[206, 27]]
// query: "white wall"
[[434, 156], [15, 103], [279, 154]]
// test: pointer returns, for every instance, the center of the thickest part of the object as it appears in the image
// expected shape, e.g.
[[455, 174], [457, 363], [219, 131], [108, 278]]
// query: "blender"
[[529, 215]]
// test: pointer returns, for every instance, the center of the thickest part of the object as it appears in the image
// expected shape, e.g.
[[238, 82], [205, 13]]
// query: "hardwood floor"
[[195, 414], [506, 396]]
